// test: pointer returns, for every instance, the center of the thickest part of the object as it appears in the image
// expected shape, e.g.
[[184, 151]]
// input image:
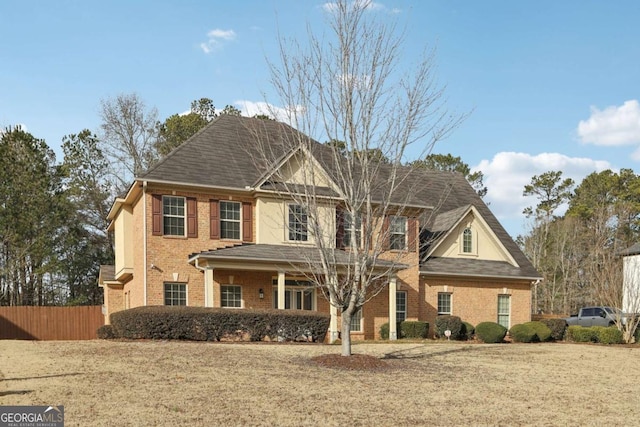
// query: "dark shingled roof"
[[281, 254], [632, 250], [473, 267], [224, 154]]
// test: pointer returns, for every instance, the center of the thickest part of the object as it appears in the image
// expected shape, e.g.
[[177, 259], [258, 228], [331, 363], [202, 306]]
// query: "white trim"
[[184, 215], [450, 304], [144, 242], [233, 220], [241, 295]]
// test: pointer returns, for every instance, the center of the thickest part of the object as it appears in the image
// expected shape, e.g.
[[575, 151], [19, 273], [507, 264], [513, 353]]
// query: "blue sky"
[[551, 85]]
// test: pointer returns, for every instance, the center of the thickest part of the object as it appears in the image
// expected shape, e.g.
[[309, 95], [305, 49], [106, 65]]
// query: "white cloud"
[[612, 126], [508, 172], [251, 108], [215, 39]]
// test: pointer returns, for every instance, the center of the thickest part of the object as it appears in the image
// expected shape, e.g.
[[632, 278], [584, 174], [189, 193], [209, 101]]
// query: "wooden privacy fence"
[[50, 323]]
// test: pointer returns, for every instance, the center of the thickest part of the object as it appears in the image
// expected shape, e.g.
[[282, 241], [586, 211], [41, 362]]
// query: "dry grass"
[[104, 383]]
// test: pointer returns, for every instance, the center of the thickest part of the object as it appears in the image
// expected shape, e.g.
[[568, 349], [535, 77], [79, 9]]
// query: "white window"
[[356, 321], [401, 306], [504, 310], [297, 223], [352, 228], [231, 296], [173, 215], [398, 233], [175, 294], [230, 220], [444, 303], [298, 295], [467, 241]]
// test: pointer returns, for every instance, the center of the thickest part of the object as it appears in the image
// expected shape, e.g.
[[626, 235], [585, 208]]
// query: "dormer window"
[[467, 241]]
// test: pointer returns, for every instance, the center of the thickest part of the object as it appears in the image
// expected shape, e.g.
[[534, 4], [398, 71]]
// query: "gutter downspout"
[[144, 240]]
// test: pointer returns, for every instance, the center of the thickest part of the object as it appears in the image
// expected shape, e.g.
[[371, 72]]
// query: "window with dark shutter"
[[247, 222], [214, 219], [339, 227], [156, 214], [192, 217]]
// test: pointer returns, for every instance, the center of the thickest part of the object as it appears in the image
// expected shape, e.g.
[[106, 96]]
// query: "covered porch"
[[280, 277]]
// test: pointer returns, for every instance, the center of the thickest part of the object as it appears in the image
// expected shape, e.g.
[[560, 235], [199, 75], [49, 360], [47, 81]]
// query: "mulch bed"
[[355, 362]]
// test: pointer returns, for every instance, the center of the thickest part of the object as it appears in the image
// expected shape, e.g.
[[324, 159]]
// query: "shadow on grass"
[[424, 352], [41, 376], [10, 392]]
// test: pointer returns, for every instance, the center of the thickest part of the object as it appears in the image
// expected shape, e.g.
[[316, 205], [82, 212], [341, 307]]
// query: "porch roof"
[[284, 255], [474, 267]]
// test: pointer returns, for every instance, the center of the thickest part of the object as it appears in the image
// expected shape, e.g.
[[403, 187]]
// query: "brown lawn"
[[105, 383]]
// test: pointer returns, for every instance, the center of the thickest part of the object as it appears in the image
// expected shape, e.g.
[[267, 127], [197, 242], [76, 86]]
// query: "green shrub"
[[608, 335], [414, 329], [406, 329], [451, 323], [543, 333], [214, 324], [636, 335], [490, 332], [106, 332], [558, 328], [384, 331], [468, 330], [523, 333], [577, 333]]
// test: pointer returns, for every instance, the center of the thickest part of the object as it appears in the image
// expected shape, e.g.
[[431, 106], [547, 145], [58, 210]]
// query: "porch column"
[[281, 290], [393, 333], [208, 287]]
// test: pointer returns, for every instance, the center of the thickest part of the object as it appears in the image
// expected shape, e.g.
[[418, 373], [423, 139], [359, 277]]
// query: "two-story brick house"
[[205, 227]]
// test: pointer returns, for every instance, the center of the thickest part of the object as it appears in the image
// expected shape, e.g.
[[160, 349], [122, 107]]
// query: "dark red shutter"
[[247, 222], [339, 227], [386, 244], [214, 219], [192, 217], [156, 214], [412, 231]]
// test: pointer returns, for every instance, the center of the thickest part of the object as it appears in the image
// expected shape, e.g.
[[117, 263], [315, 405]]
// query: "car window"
[[587, 312]]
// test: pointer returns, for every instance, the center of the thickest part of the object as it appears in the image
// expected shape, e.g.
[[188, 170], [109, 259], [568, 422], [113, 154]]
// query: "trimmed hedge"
[[406, 329], [491, 332], [451, 323], [468, 330], [214, 324], [596, 334], [558, 328], [530, 332], [414, 329], [106, 332], [522, 333]]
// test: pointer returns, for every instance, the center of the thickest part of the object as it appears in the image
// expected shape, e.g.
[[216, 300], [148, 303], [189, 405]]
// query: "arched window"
[[467, 241]]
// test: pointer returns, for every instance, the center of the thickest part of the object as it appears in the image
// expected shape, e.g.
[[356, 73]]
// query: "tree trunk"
[[345, 332]]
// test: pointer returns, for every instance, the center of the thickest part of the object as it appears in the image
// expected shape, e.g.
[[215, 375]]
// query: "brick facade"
[[164, 259]]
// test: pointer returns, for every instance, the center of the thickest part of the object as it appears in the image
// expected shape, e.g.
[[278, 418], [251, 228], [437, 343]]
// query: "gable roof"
[[460, 194], [224, 155]]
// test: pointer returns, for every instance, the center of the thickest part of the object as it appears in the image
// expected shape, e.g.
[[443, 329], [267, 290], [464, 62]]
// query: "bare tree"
[[346, 86], [129, 134]]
